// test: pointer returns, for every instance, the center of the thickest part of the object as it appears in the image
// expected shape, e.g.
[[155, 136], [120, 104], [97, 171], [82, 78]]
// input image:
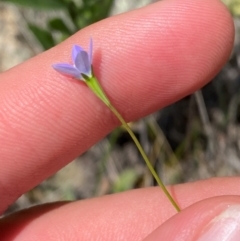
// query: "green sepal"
[[94, 85]]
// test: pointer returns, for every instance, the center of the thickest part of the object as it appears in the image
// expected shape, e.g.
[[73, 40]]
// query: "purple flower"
[[82, 63]]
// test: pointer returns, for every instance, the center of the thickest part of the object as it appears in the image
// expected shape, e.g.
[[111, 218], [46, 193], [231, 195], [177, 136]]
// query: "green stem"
[[149, 165], [94, 85]]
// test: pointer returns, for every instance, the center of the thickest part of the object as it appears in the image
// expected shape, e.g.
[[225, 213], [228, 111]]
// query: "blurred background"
[[195, 138]]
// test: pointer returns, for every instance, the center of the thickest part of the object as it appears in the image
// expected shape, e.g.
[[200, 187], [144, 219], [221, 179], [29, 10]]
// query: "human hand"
[[145, 60]]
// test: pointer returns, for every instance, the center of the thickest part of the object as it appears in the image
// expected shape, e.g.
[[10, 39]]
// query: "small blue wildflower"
[[82, 63], [82, 70]]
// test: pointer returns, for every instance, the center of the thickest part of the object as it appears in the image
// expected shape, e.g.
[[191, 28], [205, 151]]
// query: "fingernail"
[[224, 227]]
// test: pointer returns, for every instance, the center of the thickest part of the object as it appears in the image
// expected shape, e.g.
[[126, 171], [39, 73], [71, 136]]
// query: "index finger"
[[144, 59]]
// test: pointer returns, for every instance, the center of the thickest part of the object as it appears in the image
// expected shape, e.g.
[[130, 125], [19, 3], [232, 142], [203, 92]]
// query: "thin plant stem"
[[95, 86], [149, 165]]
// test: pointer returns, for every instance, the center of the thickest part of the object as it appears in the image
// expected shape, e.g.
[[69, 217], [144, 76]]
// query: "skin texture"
[[145, 60]]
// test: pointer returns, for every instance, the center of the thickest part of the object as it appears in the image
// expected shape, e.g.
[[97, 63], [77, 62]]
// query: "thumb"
[[215, 219]]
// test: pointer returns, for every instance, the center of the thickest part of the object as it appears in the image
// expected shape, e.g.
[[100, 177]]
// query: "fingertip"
[[215, 218]]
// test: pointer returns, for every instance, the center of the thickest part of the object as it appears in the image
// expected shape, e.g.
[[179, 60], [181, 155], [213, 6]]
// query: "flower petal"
[[75, 51], [90, 51], [67, 69], [82, 63]]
